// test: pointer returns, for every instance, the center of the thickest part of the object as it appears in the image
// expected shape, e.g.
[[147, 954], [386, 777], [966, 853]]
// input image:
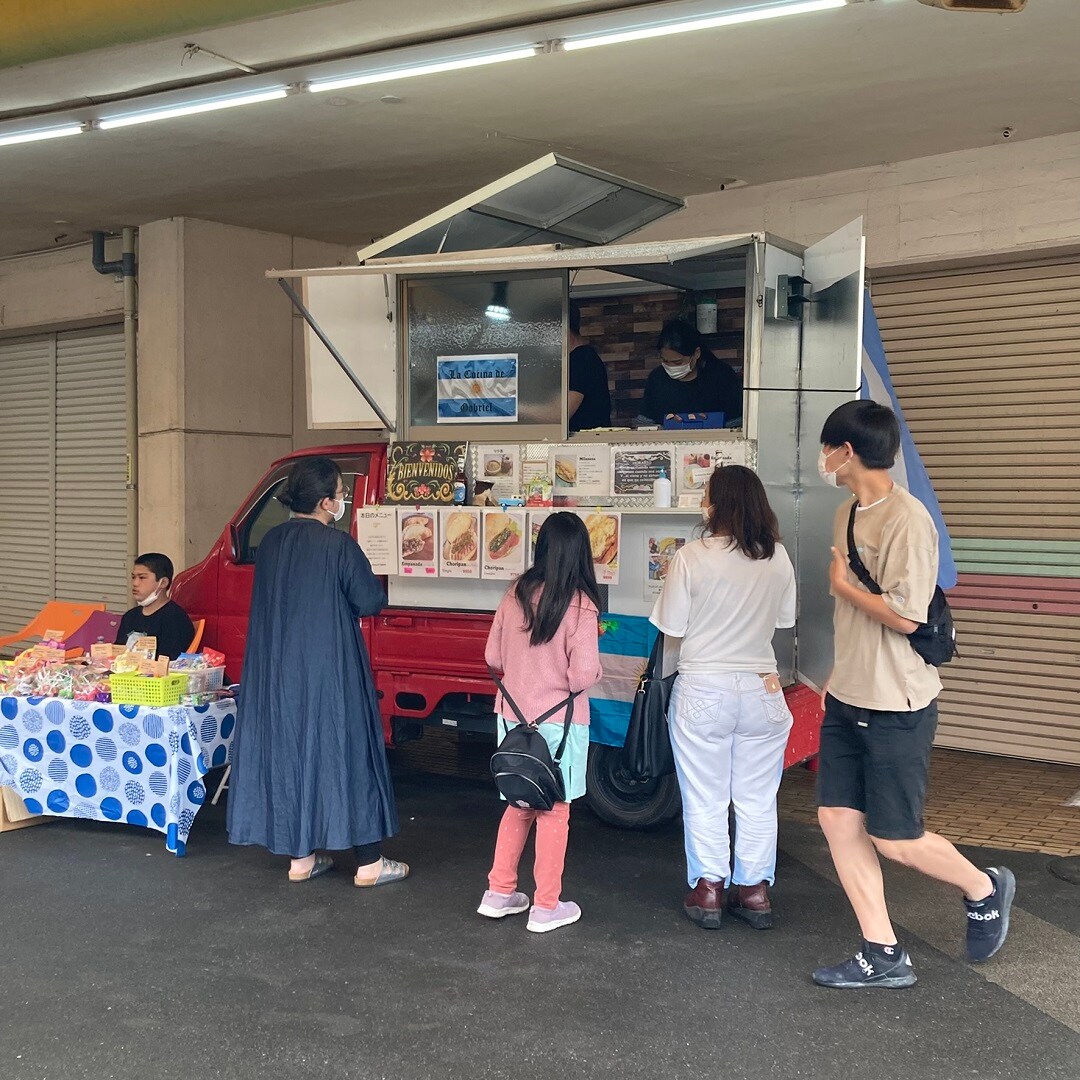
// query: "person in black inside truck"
[[690, 378], [154, 614], [588, 399]]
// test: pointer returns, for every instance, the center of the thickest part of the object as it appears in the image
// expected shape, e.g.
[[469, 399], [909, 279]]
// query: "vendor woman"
[[690, 379], [154, 614]]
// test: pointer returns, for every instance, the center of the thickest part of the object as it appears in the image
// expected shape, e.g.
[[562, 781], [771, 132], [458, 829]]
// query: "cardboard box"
[[13, 812]]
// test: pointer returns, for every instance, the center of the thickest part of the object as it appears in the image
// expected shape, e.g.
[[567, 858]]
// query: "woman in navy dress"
[[309, 761]]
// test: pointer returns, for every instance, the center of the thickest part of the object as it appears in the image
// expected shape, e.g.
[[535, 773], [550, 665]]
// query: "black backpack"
[[523, 768], [935, 639]]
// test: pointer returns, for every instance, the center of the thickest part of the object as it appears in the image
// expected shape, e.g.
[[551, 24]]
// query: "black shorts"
[[877, 763]]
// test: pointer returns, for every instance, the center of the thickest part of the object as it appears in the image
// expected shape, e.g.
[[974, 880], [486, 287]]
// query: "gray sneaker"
[[541, 920], [496, 905]]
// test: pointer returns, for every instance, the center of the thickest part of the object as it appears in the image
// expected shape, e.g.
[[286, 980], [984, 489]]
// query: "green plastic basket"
[[141, 690]]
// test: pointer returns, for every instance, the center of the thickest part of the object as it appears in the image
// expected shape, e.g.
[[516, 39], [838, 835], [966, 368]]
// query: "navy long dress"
[[309, 760]]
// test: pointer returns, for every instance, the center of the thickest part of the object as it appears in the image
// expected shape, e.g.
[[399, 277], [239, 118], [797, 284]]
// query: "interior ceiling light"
[[40, 134], [190, 108], [433, 68], [498, 310], [705, 22]]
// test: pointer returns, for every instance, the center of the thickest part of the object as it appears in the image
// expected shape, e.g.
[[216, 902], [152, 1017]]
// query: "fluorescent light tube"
[[708, 22], [167, 112], [39, 134], [432, 68]]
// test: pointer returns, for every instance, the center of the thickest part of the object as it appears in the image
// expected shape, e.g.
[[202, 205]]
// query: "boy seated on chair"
[[154, 614]]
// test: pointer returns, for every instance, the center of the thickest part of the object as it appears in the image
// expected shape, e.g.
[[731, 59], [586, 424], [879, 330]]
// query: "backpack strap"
[[858, 567], [567, 704]]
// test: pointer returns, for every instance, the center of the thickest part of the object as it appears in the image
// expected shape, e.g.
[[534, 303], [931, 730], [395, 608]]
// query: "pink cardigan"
[[540, 676]]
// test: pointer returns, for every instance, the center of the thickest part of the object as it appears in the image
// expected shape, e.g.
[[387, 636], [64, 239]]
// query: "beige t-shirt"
[[875, 667]]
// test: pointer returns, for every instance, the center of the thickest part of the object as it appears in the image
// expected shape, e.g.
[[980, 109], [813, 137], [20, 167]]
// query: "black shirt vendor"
[[154, 614]]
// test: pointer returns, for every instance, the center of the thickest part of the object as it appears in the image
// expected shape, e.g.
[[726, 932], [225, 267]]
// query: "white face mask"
[[706, 514], [823, 466], [339, 513], [679, 371], [151, 599]]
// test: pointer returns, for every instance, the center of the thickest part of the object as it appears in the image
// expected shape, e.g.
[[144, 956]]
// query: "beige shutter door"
[[92, 560], [27, 369], [986, 364]]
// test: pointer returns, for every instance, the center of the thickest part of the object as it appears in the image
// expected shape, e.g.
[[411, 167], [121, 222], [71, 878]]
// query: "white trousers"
[[729, 735]]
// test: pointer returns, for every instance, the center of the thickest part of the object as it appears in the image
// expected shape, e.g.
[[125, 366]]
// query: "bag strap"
[[655, 656], [567, 704], [858, 567]]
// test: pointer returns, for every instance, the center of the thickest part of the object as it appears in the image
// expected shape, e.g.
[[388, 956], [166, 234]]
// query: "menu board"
[[659, 551], [633, 470], [377, 534], [422, 473], [695, 464], [500, 466], [418, 538], [605, 536], [503, 550], [460, 535], [580, 470]]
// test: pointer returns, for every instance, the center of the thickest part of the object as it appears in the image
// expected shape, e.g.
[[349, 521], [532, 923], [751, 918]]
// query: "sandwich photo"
[[417, 539], [566, 471], [503, 535], [460, 543], [603, 537]]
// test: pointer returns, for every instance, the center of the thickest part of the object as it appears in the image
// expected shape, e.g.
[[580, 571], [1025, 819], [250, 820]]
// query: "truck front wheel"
[[622, 801]]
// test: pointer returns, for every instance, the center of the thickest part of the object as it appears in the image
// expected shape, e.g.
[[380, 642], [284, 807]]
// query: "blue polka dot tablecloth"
[[134, 764]]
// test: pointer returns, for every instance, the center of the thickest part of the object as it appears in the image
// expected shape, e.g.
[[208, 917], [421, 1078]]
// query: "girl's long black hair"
[[562, 567]]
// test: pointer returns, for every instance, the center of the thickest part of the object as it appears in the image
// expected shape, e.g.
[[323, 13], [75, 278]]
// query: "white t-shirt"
[[725, 607]]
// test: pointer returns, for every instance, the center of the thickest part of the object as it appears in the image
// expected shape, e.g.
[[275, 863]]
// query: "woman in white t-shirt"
[[724, 596]]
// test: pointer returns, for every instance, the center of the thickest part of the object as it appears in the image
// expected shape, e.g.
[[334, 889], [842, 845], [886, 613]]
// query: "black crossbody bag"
[[523, 769], [935, 639]]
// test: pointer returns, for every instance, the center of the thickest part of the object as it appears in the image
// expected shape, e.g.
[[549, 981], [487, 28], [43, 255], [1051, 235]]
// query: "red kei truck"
[[454, 330], [429, 665]]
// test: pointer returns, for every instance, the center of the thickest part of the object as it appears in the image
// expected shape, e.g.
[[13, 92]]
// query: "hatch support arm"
[[306, 315]]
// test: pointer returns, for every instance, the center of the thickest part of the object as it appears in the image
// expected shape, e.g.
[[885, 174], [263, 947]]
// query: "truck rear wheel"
[[622, 801]]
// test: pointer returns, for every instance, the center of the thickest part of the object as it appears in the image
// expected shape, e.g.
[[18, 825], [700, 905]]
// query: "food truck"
[[446, 349]]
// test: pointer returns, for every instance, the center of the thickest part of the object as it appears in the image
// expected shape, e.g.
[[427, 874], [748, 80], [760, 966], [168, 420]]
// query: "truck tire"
[[628, 804]]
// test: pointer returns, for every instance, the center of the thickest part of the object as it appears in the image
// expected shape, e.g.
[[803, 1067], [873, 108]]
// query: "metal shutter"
[[27, 369], [92, 560], [986, 362]]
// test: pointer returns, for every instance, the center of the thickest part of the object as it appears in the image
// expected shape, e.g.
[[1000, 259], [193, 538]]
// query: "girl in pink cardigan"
[[545, 641]]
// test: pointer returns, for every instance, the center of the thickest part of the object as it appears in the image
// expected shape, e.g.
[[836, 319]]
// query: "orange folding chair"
[[196, 641], [59, 615]]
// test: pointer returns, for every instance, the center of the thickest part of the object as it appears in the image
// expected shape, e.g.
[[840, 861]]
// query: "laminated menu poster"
[[478, 389], [695, 464], [418, 538], [460, 534], [659, 551], [503, 550], [605, 536], [580, 470], [633, 470], [376, 532], [500, 466], [423, 473]]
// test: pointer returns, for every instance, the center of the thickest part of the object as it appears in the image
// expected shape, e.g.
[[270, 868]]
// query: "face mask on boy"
[[823, 466]]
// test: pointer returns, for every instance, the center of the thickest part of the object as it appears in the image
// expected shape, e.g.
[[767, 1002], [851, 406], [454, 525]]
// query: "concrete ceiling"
[[874, 82]]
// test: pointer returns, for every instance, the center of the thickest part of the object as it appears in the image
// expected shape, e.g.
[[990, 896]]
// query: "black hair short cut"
[[573, 317], [161, 566], [871, 429]]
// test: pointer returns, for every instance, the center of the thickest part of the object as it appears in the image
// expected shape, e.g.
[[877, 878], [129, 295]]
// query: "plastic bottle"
[[661, 490]]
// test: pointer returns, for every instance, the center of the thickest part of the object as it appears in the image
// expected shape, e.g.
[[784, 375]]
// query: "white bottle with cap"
[[661, 490]]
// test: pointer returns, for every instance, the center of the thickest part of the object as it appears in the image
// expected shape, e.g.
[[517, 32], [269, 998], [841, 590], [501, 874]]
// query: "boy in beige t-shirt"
[[881, 708]]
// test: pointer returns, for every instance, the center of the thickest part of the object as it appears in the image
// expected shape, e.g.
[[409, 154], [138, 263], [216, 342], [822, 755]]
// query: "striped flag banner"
[[625, 645], [909, 470]]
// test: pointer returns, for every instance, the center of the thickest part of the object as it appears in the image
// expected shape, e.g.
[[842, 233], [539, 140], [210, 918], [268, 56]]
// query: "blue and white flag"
[[908, 471]]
